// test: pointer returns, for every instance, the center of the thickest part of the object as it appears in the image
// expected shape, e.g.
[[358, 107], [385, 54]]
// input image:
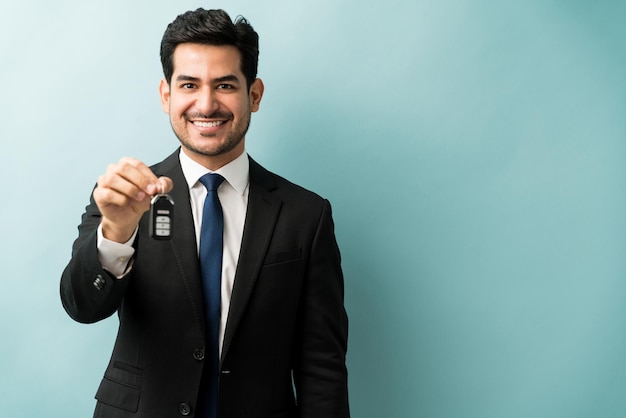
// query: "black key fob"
[[161, 217]]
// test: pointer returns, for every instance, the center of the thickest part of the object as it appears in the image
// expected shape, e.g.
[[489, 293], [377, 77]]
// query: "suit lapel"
[[261, 216], [183, 242]]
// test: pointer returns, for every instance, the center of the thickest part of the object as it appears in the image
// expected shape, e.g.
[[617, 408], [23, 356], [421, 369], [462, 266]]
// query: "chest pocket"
[[283, 256]]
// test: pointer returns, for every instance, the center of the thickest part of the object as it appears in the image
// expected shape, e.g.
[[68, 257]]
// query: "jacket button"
[[198, 354], [184, 409]]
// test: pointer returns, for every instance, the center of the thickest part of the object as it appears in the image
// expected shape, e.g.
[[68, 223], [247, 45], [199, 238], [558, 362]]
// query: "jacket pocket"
[[118, 395], [282, 256], [121, 386]]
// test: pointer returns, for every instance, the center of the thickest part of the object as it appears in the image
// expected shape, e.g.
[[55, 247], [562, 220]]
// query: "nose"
[[206, 101]]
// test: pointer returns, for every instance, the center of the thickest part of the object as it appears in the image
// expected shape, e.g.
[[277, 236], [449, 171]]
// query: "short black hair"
[[211, 27]]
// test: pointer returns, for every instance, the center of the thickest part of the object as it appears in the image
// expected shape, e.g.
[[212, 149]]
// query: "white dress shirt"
[[233, 195]]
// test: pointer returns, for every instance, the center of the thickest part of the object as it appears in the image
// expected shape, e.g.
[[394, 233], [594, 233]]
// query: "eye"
[[225, 86], [187, 86]]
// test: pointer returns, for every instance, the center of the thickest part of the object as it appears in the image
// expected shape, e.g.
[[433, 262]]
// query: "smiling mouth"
[[204, 124]]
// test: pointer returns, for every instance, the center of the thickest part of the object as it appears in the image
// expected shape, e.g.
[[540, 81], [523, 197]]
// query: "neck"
[[214, 162]]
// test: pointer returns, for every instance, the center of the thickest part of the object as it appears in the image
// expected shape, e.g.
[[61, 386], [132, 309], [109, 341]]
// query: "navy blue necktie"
[[211, 248]]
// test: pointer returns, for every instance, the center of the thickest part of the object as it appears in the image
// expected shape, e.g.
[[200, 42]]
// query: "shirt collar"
[[236, 172]]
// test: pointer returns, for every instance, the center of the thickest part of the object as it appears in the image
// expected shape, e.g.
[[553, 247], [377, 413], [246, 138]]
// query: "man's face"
[[208, 102]]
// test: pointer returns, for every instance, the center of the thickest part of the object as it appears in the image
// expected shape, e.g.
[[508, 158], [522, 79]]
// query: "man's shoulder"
[[286, 189]]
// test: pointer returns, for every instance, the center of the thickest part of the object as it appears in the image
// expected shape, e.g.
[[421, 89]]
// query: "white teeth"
[[208, 124]]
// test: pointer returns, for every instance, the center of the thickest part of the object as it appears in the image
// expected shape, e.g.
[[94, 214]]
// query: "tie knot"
[[211, 181]]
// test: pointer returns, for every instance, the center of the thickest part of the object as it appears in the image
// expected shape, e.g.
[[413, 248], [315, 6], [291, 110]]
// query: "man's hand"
[[123, 194]]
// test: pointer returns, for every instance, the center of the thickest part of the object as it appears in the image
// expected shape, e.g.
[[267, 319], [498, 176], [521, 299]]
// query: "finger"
[[162, 185], [130, 177], [138, 173], [123, 183], [165, 184], [106, 196], [150, 184]]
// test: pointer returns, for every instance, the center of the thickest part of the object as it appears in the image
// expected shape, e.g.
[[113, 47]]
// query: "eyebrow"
[[183, 77], [230, 77]]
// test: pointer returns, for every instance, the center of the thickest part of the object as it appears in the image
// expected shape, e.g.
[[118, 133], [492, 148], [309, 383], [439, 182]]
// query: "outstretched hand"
[[123, 194]]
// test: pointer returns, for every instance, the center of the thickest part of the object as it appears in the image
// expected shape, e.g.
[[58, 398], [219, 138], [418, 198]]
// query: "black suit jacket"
[[286, 328]]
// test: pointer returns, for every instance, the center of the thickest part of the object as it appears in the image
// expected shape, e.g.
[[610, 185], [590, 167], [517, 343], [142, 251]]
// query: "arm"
[[89, 293], [320, 373]]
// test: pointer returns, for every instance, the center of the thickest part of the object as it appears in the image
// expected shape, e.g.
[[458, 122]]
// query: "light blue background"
[[473, 152]]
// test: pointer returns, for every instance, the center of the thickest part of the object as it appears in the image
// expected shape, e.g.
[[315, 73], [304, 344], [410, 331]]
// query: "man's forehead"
[[189, 48], [220, 58]]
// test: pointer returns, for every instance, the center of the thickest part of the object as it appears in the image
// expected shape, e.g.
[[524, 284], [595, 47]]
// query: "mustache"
[[215, 115]]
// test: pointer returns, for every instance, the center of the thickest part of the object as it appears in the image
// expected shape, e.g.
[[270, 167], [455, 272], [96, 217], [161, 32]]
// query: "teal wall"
[[473, 152]]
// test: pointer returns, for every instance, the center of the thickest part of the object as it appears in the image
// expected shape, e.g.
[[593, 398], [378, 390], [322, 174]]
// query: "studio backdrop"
[[473, 152]]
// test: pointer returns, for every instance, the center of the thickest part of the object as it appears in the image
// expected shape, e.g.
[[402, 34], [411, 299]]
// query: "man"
[[276, 323]]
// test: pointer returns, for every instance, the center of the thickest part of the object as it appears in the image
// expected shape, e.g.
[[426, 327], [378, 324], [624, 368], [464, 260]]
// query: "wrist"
[[117, 233]]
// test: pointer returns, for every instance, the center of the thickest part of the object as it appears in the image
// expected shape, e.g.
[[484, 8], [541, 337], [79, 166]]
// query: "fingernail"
[[150, 188]]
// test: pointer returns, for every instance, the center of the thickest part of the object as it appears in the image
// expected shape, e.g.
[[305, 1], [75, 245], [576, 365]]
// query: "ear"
[[256, 94], [164, 92]]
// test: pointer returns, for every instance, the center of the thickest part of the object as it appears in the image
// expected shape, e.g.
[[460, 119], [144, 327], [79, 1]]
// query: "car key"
[[161, 216]]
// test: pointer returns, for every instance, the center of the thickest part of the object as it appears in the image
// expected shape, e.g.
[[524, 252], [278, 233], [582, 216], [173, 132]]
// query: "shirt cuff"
[[116, 258]]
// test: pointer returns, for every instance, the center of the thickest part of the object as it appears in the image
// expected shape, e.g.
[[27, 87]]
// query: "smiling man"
[[240, 313], [209, 102]]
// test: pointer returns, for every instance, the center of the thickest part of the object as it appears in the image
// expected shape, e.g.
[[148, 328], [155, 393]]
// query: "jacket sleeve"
[[89, 293], [320, 374]]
